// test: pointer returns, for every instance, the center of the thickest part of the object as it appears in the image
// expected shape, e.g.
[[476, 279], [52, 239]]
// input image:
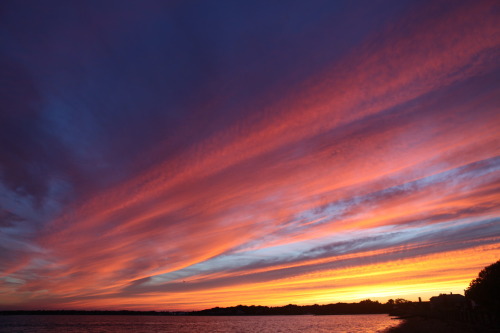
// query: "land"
[[363, 307], [433, 325]]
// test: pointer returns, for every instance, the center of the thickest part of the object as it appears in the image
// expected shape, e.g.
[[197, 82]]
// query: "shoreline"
[[146, 313], [420, 324]]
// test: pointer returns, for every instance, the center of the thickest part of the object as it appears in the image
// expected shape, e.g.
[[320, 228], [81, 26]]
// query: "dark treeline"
[[87, 312], [363, 307]]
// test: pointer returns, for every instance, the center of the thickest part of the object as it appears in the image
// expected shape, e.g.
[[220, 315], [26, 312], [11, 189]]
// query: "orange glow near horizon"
[[408, 278], [377, 178]]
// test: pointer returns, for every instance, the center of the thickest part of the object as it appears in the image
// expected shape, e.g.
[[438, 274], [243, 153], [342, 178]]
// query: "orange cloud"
[[378, 179]]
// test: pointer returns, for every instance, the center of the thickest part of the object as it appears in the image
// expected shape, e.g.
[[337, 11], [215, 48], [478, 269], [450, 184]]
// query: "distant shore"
[[155, 313], [363, 307], [92, 312]]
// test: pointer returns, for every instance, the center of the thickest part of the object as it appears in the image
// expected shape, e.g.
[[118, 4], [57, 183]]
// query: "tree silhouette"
[[401, 301], [485, 289]]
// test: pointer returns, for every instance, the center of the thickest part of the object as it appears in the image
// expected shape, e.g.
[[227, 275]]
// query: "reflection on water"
[[181, 324]]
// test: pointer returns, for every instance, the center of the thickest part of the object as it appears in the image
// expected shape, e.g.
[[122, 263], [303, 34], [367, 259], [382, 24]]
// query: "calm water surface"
[[181, 324]]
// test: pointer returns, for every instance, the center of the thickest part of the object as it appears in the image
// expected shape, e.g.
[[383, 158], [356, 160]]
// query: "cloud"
[[176, 142]]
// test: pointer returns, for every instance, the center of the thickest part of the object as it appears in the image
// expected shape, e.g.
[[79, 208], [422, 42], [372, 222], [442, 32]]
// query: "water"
[[182, 324]]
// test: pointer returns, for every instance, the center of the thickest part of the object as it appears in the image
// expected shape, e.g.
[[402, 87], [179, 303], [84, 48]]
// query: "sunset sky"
[[181, 155]]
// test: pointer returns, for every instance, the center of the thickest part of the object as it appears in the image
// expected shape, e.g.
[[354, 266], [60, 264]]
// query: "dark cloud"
[[8, 219], [127, 85], [226, 141], [26, 148]]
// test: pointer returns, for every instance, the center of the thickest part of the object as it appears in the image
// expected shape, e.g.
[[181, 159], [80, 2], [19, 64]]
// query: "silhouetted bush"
[[485, 289]]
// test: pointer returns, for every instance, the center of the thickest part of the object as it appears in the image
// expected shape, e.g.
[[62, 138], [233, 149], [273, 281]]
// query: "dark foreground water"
[[182, 324]]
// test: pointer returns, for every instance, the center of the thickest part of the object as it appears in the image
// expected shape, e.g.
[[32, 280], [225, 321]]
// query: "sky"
[[181, 155]]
